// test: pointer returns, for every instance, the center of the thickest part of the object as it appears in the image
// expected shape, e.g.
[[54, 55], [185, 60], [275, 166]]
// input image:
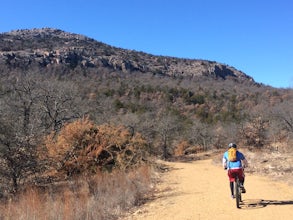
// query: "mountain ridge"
[[47, 47]]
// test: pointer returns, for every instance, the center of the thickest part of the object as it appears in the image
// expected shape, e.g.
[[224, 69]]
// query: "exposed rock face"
[[50, 47]]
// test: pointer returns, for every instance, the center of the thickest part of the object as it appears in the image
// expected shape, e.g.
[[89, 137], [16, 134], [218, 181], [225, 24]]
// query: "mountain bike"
[[237, 191]]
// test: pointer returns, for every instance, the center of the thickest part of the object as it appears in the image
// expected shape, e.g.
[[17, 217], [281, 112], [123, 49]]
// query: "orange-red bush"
[[83, 147]]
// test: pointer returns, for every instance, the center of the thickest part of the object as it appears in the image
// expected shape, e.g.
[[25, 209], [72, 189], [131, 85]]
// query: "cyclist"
[[235, 168]]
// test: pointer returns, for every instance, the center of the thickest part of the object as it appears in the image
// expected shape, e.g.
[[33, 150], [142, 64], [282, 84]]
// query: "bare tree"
[[60, 102], [284, 113], [31, 106], [201, 134], [167, 127], [254, 132], [18, 160]]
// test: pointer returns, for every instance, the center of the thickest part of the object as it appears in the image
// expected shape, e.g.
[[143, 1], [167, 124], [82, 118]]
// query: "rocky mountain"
[[49, 48]]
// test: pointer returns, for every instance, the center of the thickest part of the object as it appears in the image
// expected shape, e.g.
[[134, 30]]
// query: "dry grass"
[[104, 196]]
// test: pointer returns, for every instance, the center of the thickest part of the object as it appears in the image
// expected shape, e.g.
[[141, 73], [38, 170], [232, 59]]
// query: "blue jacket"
[[233, 165]]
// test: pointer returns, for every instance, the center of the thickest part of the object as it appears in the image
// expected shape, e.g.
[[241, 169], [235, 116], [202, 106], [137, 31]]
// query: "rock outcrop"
[[48, 47]]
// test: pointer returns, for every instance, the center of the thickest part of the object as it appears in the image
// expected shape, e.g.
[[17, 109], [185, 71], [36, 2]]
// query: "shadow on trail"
[[261, 203]]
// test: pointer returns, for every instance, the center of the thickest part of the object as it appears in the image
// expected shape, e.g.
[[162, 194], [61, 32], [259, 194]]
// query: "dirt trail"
[[199, 190]]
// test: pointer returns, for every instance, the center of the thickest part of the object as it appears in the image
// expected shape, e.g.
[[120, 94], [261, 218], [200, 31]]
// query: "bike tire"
[[237, 191]]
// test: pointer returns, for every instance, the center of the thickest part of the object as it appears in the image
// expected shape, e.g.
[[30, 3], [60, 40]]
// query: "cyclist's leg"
[[241, 180], [231, 180], [241, 176], [232, 188]]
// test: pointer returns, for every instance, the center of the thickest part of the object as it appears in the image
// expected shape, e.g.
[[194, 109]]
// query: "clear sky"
[[254, 36]]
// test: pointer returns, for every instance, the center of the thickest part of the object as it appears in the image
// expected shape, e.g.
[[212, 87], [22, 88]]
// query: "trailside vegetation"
[[82, 122]]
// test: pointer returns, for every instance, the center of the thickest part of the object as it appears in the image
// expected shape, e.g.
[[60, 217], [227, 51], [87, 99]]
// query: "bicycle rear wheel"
[[237, 192]]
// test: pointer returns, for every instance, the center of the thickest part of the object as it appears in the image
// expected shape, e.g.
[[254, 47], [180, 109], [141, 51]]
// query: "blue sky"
[[254, 36]]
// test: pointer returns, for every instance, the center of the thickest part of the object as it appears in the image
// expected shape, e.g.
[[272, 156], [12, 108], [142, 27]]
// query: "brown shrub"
[[83, 147], [180, 148], [185, 148]]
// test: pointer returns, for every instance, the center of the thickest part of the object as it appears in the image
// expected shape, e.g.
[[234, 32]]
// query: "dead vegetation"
[[102, 196], [87, 172], [83, 147], [275, 162]]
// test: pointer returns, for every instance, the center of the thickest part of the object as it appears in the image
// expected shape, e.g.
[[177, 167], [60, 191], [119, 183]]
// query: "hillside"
[[48, 48], [91, 106]]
